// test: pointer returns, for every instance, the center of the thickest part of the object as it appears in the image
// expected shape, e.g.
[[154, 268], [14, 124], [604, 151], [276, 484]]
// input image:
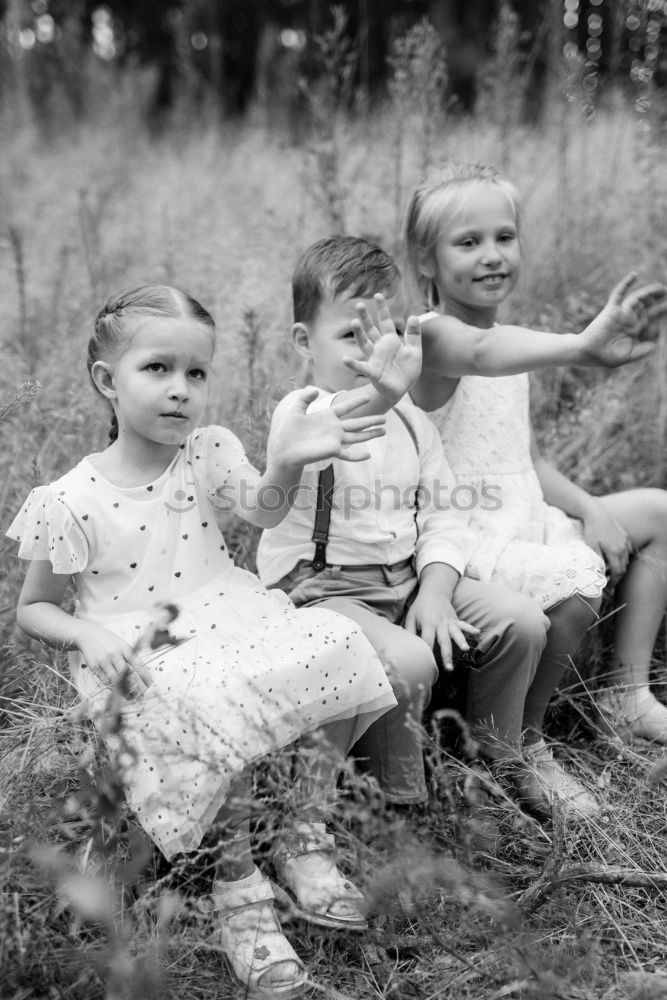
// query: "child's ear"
[[103, 379], [301, 340], [426, 264]]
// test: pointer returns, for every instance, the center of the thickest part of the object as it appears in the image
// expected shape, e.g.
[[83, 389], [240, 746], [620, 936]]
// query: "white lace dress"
[[522, 542], [248, 672]]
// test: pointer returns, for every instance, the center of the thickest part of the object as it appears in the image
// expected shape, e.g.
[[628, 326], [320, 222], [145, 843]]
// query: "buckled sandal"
[[259, 956], [304, 863]]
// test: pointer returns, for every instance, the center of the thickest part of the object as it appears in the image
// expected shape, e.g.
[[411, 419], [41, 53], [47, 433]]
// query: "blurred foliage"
[[233, 53]]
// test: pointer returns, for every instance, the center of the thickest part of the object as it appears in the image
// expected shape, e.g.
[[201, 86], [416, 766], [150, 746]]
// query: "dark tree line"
[[235, 50]]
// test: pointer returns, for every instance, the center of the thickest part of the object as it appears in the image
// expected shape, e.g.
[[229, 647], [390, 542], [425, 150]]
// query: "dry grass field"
[[468, 901]]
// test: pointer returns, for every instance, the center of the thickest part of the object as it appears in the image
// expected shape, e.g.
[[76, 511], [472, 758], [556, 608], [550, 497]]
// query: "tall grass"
[[469, 901]]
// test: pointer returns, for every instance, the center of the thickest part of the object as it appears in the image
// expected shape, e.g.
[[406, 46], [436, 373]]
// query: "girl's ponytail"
[[113, 430]]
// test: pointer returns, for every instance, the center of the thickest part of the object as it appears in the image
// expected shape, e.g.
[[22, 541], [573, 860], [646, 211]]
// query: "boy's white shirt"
[[384, 531]]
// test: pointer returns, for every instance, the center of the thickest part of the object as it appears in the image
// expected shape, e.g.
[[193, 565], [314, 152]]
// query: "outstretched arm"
[[620, 333], [39, 614], [298, 438], [601, 531]]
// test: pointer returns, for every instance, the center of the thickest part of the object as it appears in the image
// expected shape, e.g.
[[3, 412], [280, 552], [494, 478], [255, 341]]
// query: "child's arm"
[[432, 616], [298, 438], [453, 349], [40, 615], [601, 531]]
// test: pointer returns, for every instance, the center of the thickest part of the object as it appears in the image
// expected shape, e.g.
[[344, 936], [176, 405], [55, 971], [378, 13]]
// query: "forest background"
[[206, 143]]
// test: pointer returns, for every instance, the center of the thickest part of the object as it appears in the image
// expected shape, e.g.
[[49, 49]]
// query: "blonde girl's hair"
[[111, 323], [432, 207]]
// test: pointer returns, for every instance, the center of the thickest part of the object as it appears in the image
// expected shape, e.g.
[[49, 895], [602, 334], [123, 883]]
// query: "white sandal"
[[557, 781], [259, 956], [304, 862]]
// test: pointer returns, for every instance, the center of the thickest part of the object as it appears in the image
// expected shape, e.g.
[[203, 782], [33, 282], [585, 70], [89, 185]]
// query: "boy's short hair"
[[339, 264]]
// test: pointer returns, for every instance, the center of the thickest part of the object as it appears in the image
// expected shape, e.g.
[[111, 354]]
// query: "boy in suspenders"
[[380, 540]]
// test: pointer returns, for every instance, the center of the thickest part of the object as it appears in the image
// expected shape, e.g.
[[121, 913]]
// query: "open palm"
[[392, 361], [302, 437], [624, 329]]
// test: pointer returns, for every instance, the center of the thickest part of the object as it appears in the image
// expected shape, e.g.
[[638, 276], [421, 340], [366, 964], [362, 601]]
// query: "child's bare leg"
[[259, 955], [642, 596], [304, 857], [320, 761], [569, 623], [234, 859]]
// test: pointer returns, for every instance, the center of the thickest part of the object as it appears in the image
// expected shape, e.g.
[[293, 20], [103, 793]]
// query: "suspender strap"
[[325, 486], [413, 434], [409, 428]]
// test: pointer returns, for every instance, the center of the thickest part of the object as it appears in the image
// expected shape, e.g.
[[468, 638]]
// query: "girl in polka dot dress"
[[238, 671]]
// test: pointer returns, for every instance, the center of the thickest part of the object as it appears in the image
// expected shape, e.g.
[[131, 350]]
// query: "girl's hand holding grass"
[[110, 658], [624, 329], [332, 432], [393, 360]]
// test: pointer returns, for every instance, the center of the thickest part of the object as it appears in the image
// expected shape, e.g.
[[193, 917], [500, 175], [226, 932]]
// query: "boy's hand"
[[435, 620], [111, 659], [622, 331], [328, 433], [393, 361]]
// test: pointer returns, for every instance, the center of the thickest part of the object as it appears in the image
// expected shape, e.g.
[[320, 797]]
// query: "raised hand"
[[331, 432], [624, 330], [393, 361]]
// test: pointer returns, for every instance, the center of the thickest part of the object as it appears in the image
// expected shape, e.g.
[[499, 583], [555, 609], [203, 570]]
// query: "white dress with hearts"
[[242, 671]]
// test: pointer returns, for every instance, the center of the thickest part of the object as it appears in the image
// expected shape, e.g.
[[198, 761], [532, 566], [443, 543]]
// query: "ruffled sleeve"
[[222, 453], [47, 529]]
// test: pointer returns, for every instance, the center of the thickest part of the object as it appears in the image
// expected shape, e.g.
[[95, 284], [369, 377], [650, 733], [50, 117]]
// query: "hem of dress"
[[190, 839], [550, 601]]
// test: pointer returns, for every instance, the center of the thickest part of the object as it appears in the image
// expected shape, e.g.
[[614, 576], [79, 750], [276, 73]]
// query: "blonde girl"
[[549, 538], [239, 671]]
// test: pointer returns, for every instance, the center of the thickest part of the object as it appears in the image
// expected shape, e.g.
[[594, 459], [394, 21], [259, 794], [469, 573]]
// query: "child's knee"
[[657, 514], [410, 666], [522, 625], [578, 613]]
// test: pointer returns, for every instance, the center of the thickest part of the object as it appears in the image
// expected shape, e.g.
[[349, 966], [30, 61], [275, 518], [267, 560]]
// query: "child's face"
[[159, 383], [478, 256], [329, 338]]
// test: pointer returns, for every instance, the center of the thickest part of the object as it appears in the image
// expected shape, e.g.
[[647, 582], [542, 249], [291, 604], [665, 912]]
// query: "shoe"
[[259, 956], [556, 781], [305, 865], [520, 782], [631, 715]]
